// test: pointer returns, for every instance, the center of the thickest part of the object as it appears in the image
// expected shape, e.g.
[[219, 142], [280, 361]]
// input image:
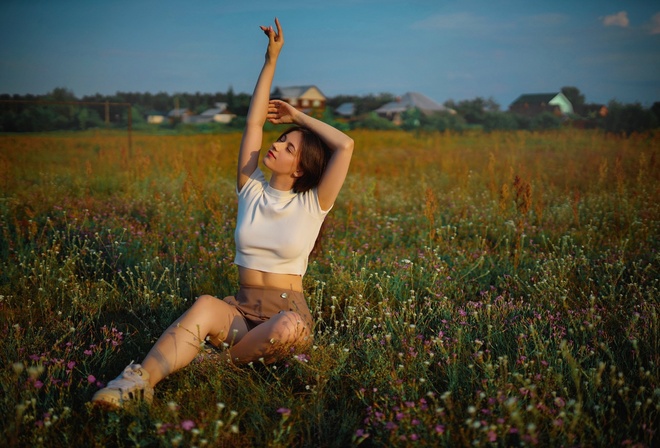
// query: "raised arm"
[[280, 112], [248, 158]]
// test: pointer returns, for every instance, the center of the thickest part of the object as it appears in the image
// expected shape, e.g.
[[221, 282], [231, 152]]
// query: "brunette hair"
[[314, 157]]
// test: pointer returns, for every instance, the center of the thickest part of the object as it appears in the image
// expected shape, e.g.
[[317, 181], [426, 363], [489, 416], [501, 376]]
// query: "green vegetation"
[[481, 289], [18, 115]]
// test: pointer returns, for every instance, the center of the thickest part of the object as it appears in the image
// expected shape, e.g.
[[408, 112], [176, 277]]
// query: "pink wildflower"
[[187, 425], [284, 411]]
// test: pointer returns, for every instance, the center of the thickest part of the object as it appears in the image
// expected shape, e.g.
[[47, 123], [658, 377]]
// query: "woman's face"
[[283, 155]]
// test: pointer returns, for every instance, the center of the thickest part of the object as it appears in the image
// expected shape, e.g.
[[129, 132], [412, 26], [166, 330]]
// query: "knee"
[[290, 327], [205, 302], [205, 297]]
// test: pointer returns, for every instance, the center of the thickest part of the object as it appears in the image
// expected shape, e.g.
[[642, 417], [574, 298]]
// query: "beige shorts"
[[258, 304]]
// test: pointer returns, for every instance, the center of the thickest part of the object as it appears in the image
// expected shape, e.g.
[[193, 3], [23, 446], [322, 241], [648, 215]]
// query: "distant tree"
[[373, 121], [545, 121], [411, 119], [500, 121], [61, 94], [574, 96], [241, 104], [443, 121], [161, 102], [329, 117], [474, 111], [629, 118], [656, 110], [363, 104], [231, 98]]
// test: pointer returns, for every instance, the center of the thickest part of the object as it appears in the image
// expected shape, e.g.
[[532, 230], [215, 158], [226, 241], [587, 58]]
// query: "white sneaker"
[[131, 386]]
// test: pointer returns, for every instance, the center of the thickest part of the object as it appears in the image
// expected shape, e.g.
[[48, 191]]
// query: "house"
[[535, 103], [305, 98], [411, 100], [217, 114], [180, 114], [155, 117], [590, 116], [345, 110]]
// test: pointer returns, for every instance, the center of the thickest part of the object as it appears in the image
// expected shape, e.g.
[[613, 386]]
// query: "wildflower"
[[361, 433], [18, 367], [284, 411], [187, 425], [440, 429]]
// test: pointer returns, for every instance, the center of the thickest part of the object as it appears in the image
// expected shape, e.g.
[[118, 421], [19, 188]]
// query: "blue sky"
[[609, 49]]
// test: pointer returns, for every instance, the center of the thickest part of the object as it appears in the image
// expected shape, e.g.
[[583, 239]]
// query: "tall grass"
[[469, 289]]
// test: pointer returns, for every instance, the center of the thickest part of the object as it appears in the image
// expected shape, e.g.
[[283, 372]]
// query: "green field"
[[469, 289]]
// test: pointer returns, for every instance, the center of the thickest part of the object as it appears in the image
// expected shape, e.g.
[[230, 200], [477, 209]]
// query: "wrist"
[[299, 118]]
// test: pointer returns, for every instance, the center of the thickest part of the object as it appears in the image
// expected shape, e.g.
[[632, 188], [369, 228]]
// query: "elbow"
[[348, 146]]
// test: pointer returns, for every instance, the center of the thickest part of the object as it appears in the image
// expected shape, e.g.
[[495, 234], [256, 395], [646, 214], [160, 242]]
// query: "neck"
[[282, 183]]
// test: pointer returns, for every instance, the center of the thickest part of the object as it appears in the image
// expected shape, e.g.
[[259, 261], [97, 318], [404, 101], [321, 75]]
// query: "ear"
[[298, 173]]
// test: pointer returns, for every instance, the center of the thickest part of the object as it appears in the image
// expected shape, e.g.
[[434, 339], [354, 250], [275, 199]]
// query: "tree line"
[[30, 113]]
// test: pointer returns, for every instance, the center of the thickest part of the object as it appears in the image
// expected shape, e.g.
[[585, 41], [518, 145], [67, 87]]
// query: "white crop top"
[[276, 230]]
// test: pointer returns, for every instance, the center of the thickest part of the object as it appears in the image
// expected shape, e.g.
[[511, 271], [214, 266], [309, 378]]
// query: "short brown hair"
[[314, 157]]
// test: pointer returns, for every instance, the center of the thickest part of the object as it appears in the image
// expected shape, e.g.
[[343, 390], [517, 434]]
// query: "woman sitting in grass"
[[277, 224]]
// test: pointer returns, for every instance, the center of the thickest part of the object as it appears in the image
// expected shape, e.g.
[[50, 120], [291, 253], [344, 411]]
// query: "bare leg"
[[210, 316], [180, 343], [272, 340]]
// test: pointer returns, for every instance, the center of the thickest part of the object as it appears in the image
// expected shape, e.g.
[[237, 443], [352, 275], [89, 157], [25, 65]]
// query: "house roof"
[[294, 91], [543, 100], [219, 108], [346, 109], [535, 98], [411, 100], [178, 112]]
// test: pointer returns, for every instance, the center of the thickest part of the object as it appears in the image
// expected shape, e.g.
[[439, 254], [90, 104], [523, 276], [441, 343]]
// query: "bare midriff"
[[251, 277]]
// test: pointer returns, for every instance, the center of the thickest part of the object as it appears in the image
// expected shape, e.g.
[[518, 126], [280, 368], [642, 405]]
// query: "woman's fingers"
[[270, 32], [280, 35]]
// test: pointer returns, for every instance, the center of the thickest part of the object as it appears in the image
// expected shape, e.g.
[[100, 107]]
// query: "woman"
[[277, 224]]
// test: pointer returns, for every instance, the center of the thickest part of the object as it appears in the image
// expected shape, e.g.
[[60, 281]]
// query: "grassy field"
[[476, 289]]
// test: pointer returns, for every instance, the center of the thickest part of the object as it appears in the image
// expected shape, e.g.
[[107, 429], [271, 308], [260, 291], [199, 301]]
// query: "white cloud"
[[618, 19], [655, 24]]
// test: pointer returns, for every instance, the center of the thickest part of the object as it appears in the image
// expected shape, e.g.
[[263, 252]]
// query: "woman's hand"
[[275, 40], [280, 112]]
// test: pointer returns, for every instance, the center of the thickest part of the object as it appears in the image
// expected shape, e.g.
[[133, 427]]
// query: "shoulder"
[[257, 181], [310, 201]]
